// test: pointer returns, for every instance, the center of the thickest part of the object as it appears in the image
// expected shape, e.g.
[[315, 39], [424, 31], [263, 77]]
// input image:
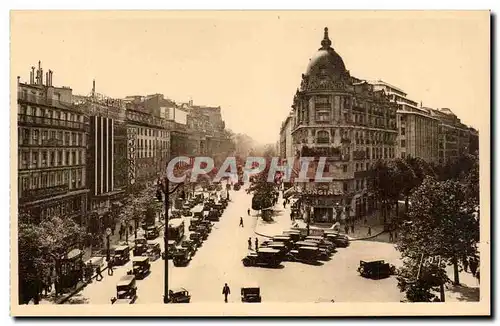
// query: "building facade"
[[345, 120], [52, 142], [417, 128], [286, 148], [453, 136]]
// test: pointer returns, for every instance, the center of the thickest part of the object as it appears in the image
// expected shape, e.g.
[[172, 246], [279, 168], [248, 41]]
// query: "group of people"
[[256, 244], [471, 264]]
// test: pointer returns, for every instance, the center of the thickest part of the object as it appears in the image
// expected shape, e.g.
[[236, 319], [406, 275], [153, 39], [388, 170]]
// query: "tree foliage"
[[39, 245], [440, 222]]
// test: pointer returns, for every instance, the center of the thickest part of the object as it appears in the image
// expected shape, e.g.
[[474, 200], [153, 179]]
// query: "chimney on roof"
[[47, 78], [50, 77], [93, 87], [18, 79], [32, 75], [40, 81]]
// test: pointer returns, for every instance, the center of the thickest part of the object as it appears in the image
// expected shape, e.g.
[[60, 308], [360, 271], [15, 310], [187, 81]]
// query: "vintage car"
[[190, 245], [198, 213], [121, 255], [237, 187], [179, 295], [286, 240], [176, 213], [250, 294], [294, 235], [340, 240], [197, 238], [195, 221], [267, 257], [151, 232], [213, 215], [153, 251], [182, 257], [280, 246], [126, 290], [140, 246], [304, 254], [203, 231], [207, 225], [186, 211], [376, 269], [324, 248], [140, 267], [322, 242], [224, 202], [171, 249]]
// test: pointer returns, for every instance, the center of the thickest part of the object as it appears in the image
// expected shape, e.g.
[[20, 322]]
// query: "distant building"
[[286, 148], [417, 128], [52, 136]]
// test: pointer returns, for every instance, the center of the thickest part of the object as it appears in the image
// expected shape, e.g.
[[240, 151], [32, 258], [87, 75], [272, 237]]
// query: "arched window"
[[322, 137]]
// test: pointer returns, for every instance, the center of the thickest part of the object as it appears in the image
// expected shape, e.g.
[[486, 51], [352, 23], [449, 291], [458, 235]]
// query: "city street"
[[218, 261]]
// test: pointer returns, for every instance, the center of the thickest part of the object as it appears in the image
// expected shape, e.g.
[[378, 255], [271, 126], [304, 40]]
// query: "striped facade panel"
[[102, 152]]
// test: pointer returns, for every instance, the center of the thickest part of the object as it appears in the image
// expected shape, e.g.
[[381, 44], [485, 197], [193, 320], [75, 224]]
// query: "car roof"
[[121, 247], [308, 248], [139, 258], [314, 237], [126, 279], [269, 250], [178, 290]]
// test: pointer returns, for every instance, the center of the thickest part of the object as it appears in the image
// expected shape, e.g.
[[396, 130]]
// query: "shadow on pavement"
[[465, 293]]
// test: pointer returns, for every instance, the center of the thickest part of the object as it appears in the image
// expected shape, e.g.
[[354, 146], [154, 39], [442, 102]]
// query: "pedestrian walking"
[[291, 216], [241, 222], [110, 267], [250, 243], [130, 229], [352, 228], [346, 229], [120, 233], [369, 231], [248, 212], [256, 244], [98, 272], [284, 204], [226, 291], [477, 276], [391, 238], [395, 235]]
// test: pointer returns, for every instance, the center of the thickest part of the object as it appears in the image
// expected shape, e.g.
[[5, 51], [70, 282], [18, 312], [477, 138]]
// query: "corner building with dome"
[[342, 118]]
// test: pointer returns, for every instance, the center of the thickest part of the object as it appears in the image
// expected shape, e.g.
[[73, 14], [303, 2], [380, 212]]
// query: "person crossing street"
[[249, 243], [226, 291], [241, 222], [256, 244]]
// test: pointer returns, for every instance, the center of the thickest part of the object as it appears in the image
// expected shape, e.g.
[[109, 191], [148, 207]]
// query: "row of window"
[[151, 132], [48, 137], [73, 178], [36, 159], [36, 111]]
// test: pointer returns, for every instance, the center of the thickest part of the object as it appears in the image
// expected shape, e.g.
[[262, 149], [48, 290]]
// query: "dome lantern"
[[326, 42]]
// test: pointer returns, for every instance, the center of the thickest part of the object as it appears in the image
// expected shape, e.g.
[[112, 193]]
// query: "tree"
[[40, 246], [440, 222], [263, 191], [405, 180], [382, 185], [418, 277]]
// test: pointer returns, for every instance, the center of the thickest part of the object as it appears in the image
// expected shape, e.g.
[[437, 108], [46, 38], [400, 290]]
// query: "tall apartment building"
[[453, 137], [52, 144], [344, 119], [417, 127]]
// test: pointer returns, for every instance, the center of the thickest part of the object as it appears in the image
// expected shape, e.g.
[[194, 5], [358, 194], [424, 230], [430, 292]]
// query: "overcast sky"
[[251, 63]]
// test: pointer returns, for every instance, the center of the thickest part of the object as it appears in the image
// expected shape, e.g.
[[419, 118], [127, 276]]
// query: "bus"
[[176, 230]]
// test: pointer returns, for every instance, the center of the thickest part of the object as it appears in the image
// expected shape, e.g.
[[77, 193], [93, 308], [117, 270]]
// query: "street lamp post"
[[108, 234], [164, 187]]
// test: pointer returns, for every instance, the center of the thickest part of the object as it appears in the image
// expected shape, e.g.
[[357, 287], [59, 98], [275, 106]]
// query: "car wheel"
[[246, 262]]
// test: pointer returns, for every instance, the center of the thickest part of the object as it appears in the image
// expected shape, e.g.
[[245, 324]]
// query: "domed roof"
[[326, 60]]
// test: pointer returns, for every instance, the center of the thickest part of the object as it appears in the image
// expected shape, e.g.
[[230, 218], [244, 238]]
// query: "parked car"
[[376, 269], [179, 295], [250, 294], [304, 254], [190, 245], [339, 240], [182, 257], [264, 257], [126, 290], [153, 251], [197, 238], [171, 249], [195, 221]]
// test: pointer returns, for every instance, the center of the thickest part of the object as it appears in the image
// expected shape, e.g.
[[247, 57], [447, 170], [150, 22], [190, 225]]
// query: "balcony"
[[332, 153], [34, 121], [29, 195]]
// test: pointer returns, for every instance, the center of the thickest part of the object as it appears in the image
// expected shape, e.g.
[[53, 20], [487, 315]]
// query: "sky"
[[250, 63]]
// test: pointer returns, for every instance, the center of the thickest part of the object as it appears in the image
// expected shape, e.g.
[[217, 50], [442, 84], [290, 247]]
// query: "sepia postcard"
[[250, 163]]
